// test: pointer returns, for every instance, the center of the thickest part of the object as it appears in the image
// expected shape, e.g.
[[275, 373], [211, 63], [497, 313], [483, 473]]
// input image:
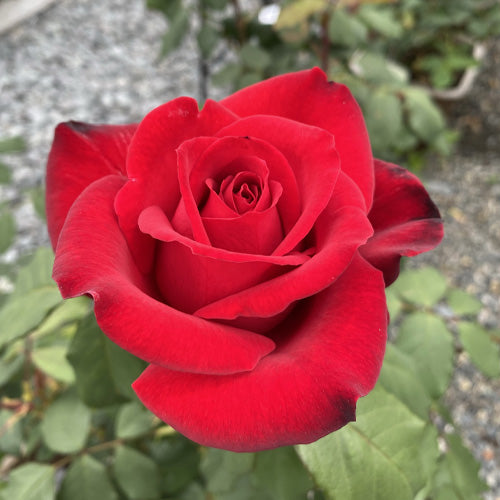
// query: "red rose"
[[242, 251]]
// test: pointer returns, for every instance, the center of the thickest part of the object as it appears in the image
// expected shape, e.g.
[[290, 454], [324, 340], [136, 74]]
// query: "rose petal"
[[188, 281], [153, 221], [93, 258], [323, 104], [80, 154], [329, 355], [253, 232], [152, 165], [220, 160], [405, 220], [341, 229], [311, 154]]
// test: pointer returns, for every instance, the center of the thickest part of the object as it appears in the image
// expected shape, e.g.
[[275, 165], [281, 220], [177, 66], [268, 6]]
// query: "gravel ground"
[[97, 62]]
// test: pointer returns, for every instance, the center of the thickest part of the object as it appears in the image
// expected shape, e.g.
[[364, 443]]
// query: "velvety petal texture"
[[242, 250], [80, 155], [328, 354], [405, 219]]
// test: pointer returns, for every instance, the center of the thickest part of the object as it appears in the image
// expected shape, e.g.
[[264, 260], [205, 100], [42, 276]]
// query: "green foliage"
[[103, 370], [391, 54], [87, 479], [457, 475], [31, 481], [35, 294], [7, 229], [136, 474], [132, 421], [12, 145], [269, 475], [66, 424], [426, 339], [483, 351], [388, 453]]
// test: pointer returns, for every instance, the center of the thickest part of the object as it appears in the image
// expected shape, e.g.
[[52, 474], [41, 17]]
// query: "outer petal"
[[93, 258], [330, 354], [307, 97], [80, 154], [405, 220]]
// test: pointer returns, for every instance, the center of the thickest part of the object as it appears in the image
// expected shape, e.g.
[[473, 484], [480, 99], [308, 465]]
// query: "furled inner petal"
[[245, 189], [256, 232], [312, 156], [215, 166]]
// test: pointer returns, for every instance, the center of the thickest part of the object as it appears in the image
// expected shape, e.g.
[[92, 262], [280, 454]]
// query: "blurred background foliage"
[[401, 59], [71, 428]]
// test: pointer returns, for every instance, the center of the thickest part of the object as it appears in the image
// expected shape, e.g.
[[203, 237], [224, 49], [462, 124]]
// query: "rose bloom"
[[242, 251]]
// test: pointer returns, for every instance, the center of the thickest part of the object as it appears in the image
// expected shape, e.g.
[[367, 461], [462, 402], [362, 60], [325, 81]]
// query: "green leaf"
[[68, 311], [66, 424], [345, 29], [384, 119], [37, 273], [52, 361], [22, 314], [38, 199], [7, 230], [136, 474], [10, 367], [483, 352], [169, 7], [457, 475], [133, 420], [424, 117], [381, 20], [463, 303], [394, 305], [389, 453], [193, 492], [281, 473], [426, 340], [177, 29], [254, 58], [376, 68], [5, 174], [399, 377], [12, 145], [424, 287], [228, 475], [10, 433], [104, 371], [31, 481], [227, 75], [299, 11], [248, 79], [87, 479], [207, 38], [179, 459]]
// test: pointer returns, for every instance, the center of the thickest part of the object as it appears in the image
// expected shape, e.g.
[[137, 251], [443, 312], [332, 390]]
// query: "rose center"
[[242, 191]]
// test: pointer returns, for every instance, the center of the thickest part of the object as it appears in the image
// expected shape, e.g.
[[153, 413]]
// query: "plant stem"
[[91, 449], [240, 25]]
